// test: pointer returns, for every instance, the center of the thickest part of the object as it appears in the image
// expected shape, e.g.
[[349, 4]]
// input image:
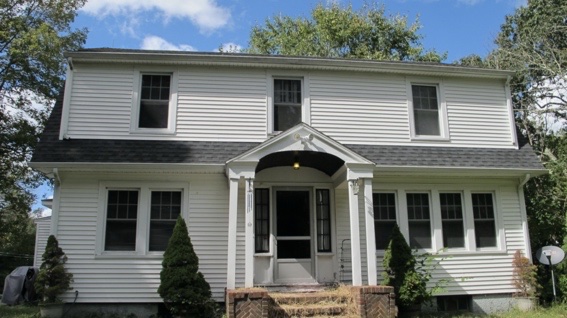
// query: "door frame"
[[312, 230]]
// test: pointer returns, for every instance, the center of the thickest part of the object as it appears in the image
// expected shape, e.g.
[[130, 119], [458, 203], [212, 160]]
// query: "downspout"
[[524, 181], [56, 200]]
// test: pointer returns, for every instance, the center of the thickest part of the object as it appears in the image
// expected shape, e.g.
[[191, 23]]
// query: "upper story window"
[[425, 110], [155, 104], [154, 101], [287, 103], [428, 118]]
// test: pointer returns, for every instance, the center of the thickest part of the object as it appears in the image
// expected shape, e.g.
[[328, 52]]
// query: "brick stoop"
[[344, 301]]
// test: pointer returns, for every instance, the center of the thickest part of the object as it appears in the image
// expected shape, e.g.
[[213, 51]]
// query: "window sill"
[[325, 254], [152, 131], [430, 138], [263, 255]]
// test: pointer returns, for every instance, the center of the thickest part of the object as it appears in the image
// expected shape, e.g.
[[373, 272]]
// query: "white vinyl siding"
[[231, 104], [42, 232], [135, 278]]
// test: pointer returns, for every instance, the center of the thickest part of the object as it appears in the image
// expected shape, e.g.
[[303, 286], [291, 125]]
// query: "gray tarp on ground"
[[18, 285]]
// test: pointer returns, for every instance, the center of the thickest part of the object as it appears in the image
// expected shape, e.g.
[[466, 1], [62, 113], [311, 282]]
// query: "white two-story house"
[[288, 170]]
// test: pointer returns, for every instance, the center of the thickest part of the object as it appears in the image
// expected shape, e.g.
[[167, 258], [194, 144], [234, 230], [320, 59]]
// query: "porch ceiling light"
[[296, 165]]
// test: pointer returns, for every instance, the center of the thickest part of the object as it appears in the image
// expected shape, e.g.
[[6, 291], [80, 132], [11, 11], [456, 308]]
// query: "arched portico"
[[270, 166]]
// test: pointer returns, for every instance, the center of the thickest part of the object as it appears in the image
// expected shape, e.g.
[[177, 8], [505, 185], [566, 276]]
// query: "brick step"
[[312, 310], [309, 298]]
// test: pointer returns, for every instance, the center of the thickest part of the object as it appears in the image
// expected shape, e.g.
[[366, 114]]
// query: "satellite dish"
[[550, 255]]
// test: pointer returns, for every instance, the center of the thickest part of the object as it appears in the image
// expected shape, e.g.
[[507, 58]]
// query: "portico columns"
[[359, 178], [235, 173], [232, 219]]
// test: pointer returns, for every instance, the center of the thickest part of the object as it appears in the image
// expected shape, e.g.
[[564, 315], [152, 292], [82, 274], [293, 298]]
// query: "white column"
[[354, 234], [249, 235], [370, 237], [232, 219]]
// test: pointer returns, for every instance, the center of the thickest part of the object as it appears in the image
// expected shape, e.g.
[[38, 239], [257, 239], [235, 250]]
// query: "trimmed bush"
[[53, 279], [400, 272], [183, 288]]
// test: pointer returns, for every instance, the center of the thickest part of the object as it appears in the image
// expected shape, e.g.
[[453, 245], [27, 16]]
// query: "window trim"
[[306, 101], [442, 107], [143, 221], [172, 111]]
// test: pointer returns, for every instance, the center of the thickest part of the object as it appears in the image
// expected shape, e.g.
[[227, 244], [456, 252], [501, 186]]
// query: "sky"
[[457, 27]]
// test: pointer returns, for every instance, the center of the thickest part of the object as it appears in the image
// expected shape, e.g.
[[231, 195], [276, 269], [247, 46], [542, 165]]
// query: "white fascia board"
[[47, 167], [287, 62], [458, 171]]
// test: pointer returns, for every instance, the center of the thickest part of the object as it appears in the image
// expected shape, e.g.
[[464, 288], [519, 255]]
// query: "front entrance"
[[293, 232]]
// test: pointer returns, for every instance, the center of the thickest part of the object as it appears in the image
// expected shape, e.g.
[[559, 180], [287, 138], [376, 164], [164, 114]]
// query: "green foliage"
[[410, 285], [524, 276], [337, 31], [33, 37], [53, 279], [183, 288]]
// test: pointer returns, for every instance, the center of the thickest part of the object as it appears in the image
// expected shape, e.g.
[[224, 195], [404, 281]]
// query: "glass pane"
[[286, 116], [420, 234], [261, 229], [294, 249], [453, 234], [160, 232], [383, 232], [153, 114], [485, 233], [323, 220], [120, 235], [293, 213], [426, 122]]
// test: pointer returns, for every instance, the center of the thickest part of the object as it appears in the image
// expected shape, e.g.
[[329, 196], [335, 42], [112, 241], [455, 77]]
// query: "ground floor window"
[[384, 218], [419, 221], [138, 217], [323, 220]]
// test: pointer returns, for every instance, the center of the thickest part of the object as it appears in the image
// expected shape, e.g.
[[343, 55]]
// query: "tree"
[[53, 279], [410, 285], [33, 37], [336, 31], [533, 42], [183, 288]]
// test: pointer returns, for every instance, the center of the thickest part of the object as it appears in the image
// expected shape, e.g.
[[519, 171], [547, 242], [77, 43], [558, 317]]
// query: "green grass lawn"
[[19, 311], [557, 311]]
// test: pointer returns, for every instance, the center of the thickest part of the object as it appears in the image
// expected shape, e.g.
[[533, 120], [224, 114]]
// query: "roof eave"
[[287, 62]]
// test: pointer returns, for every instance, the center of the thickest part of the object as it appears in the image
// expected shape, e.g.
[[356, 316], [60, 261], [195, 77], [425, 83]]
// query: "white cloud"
[[230, 47], [206, 14], [153, 42]]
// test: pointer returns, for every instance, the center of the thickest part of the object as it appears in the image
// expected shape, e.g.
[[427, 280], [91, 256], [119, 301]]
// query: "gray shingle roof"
[[51, 149]]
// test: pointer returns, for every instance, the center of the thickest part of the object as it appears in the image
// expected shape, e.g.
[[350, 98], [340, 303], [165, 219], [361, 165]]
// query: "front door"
[[293, 237]]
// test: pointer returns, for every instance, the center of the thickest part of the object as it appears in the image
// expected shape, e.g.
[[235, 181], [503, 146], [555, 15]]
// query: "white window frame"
[[306, 101], [172, 111], [432, 225], [442, 107], [144, 189], [433, 191]]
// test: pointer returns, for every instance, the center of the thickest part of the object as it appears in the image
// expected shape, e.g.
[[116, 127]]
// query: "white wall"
[[231, 104]]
